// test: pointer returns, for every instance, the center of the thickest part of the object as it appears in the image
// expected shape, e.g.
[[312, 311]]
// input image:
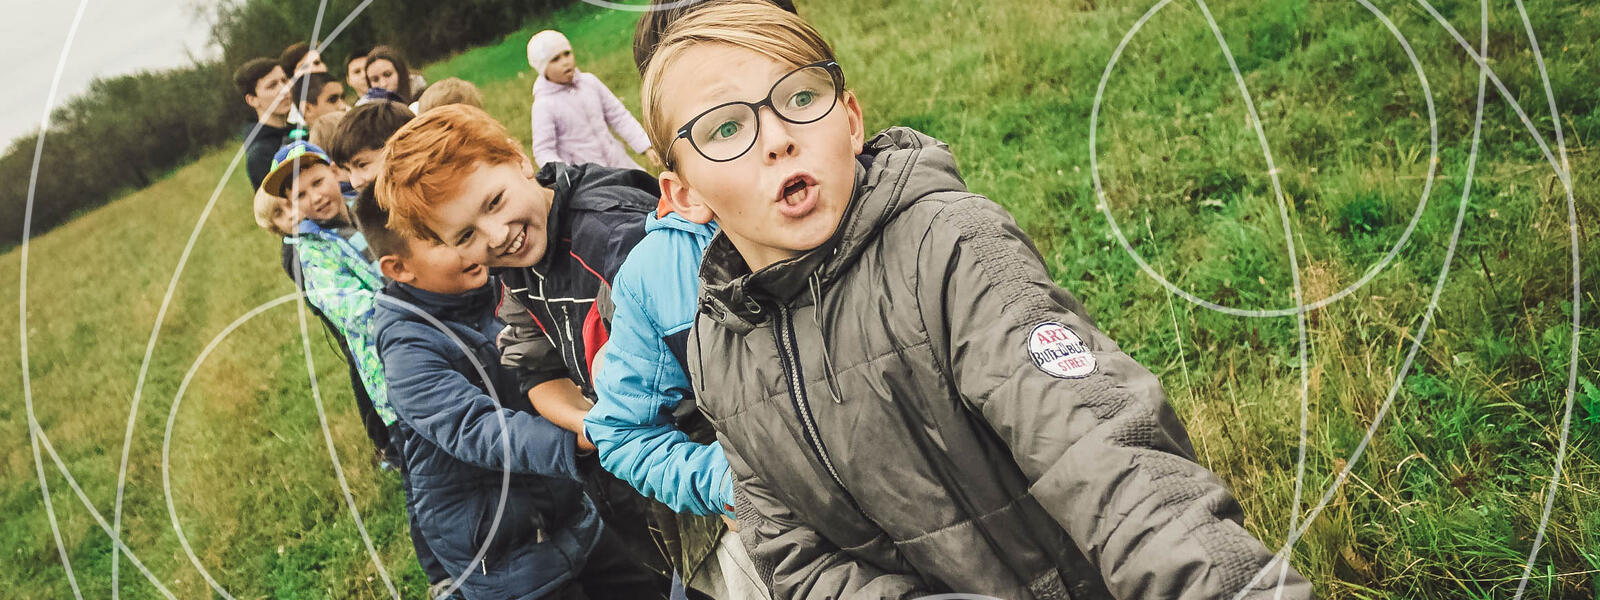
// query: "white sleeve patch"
[[1058, 351]]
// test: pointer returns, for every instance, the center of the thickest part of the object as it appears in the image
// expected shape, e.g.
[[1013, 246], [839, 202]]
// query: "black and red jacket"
[[558, 312]]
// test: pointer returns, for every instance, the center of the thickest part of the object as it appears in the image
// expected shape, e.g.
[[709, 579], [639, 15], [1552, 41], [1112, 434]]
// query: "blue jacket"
[[642, 383], [462, 449]]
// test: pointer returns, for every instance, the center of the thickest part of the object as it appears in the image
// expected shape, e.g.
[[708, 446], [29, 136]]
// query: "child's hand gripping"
[[560, 401]]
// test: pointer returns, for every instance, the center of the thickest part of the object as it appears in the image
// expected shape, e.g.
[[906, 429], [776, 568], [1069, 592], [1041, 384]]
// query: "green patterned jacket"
[[340, 281]]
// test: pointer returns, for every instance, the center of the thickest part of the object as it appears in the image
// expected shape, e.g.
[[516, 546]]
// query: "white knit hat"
[[544, 46]]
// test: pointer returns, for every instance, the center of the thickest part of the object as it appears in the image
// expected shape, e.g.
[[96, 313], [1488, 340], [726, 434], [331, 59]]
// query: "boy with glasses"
[[908, 402]]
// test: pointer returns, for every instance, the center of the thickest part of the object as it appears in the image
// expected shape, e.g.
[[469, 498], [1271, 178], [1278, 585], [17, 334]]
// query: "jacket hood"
[[571, 182], [897, 167], [572, 186], [675, 221]]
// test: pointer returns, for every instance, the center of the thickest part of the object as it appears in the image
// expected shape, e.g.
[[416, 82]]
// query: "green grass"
[[1444, 503]]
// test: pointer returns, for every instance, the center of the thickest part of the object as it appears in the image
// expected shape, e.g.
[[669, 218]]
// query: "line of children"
[[497, 488], [556, 236], [983, 436], [329, 259], [326, 256], [263, 83]]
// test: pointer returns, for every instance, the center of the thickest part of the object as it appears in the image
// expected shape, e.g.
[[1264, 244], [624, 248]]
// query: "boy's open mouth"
[[517, 243], [798, 195]]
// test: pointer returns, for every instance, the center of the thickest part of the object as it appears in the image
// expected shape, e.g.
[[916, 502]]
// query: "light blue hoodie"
[[642, 382]]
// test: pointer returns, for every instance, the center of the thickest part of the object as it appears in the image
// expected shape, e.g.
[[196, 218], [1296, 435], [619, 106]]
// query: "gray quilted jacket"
[[915, 407]]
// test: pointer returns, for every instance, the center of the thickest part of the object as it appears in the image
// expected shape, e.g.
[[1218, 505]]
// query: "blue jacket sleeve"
[[640, 383], [445, 408]]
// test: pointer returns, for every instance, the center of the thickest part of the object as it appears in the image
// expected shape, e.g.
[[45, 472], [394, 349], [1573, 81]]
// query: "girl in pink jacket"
[[574, 114]]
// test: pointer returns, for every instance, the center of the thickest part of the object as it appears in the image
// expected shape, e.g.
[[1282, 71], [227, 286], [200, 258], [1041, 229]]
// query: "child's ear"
[[858, 131], [523, 162], [395, 269], [680, 199]]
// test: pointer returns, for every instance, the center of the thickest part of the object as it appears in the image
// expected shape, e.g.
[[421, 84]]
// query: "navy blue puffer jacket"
[[463, 448]]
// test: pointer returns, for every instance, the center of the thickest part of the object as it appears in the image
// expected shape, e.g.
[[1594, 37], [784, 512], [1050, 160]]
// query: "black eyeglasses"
[[727, 131]]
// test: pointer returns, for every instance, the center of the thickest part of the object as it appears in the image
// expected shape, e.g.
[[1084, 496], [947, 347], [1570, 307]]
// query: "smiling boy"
[[555, 236], [464, 444], [908, 402]]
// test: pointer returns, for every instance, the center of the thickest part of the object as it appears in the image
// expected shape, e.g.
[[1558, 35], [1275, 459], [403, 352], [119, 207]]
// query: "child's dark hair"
[[655, 22], [400, 69], [367, 127], [358, 53], [246, 76], [309, 85], [291, 56], [373, 221]]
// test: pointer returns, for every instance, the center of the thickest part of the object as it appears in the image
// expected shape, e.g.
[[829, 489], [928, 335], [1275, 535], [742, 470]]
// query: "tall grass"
[[1444, 503]]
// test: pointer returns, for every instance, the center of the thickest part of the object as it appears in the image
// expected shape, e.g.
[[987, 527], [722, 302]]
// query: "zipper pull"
[[483, 566]]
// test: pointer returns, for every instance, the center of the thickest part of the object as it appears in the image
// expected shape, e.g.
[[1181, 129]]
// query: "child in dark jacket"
[[558, 236], [494, 486]]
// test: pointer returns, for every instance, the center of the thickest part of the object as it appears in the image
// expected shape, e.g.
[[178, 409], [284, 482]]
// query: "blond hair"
[[323, 128], [268, 208], [754, 25], [449, 91], [426, 160]]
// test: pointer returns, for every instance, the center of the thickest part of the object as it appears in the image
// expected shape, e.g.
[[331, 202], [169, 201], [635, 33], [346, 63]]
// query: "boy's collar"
[[463, 307], [310, 226], [791, 273], [727, 281]]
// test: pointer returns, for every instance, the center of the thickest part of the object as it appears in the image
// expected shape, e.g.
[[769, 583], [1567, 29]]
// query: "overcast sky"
[[115, 37]]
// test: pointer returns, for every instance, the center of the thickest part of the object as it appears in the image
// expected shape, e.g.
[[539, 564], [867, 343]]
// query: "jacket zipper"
[[572, 347], [568, 349], [797, 392]]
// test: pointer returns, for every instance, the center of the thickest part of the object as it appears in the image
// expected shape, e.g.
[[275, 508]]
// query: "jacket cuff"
[[531, 379], [724, 498]]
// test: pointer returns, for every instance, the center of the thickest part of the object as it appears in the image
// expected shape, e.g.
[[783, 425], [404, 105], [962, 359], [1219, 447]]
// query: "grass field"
[[1444, 502]]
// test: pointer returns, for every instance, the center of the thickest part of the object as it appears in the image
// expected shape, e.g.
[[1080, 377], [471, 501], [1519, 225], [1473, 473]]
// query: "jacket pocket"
[[520, 523]]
